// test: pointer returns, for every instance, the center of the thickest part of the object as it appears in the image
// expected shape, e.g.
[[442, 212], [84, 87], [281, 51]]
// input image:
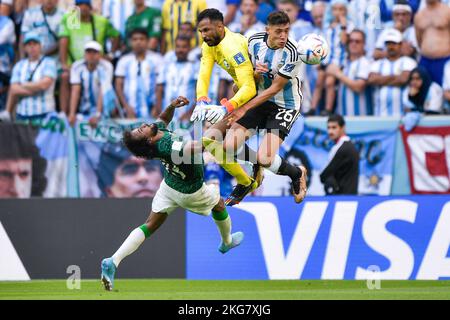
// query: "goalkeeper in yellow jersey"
[[230, 51]]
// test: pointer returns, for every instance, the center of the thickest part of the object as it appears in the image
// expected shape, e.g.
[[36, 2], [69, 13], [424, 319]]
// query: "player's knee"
[[264, 160], [220, 206]]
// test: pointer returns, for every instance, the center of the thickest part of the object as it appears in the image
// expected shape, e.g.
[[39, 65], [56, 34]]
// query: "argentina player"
[[276, 106]]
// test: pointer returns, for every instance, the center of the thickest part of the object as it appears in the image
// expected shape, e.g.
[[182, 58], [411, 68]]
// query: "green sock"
[[145, 230], [223, 223], [220, 215]]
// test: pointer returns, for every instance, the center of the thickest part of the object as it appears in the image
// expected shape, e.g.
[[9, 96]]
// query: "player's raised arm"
[[204, 75], [167, 115], [246, 84]]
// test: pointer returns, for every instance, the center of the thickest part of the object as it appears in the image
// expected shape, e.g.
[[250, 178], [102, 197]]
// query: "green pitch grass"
[[220, 290]]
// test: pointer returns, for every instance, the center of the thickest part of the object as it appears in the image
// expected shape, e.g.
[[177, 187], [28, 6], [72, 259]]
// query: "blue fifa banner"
[[107, 169], [327, 238], [376, 150]]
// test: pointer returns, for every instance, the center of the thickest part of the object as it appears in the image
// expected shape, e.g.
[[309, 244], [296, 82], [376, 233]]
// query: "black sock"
[[287, 169]]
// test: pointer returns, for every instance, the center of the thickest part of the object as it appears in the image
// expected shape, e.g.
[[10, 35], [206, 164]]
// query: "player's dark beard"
[[154, 130], [216, 40]]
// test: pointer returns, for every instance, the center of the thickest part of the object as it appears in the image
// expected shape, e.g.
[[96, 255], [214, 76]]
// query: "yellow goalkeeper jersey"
[[232, 55]]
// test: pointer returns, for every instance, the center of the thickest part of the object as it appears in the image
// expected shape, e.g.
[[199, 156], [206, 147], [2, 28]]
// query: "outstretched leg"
[[130, 245], [268, 157], [223, 222]]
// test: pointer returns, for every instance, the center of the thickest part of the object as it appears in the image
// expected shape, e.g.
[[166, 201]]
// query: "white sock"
[[275, 166], [129, 246], [224, 227]]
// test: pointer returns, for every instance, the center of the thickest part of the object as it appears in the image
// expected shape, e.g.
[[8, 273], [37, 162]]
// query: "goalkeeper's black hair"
[[211, 14], [278, 18], [140, 147]]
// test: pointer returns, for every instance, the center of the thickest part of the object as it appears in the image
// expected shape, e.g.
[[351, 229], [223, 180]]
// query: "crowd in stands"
[[92, 59]]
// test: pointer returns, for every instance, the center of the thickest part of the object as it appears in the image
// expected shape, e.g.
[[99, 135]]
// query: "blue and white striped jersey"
[[139, 81], [284, 62], [42, 102], [179, 79], [351, 103], [337, 54], [118, 11], [90, 83], [33, 20], [7, 40], [388, 99], [367, 17]]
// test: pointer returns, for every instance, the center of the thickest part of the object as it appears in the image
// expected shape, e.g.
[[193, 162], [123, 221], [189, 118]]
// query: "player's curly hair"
[[140, 147]]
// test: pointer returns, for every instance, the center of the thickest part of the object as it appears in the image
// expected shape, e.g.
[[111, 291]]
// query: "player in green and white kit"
[[183, 186]]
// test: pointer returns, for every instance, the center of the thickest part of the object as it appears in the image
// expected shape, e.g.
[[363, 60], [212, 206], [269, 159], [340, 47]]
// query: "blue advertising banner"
[[327, 238]]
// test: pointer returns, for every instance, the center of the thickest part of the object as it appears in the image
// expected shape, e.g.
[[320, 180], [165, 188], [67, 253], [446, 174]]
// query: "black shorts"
[[271, 117]]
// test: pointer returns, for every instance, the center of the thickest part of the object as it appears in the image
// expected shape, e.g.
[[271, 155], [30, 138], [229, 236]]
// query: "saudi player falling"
[[183, 186]]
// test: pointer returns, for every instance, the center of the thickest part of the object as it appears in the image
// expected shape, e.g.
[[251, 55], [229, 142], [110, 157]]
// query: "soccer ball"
[[312, 48]]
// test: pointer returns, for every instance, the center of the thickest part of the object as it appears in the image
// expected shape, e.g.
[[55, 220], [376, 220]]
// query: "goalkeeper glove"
[[200, 111], [217, 113]]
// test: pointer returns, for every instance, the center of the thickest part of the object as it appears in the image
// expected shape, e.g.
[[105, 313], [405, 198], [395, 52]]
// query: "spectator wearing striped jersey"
[[136, 75], [390, 75], [7, 41], [74, 33], [44, 20], [366, 17], [248, 25], [88, 79], [117, 12], [354, 97], [299, 27], [32, 83], [313, 71], [401, 15], [337, 27], [177, 78]]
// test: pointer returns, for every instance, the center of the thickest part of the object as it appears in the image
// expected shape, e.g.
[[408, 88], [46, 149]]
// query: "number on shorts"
[[285, 114]]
